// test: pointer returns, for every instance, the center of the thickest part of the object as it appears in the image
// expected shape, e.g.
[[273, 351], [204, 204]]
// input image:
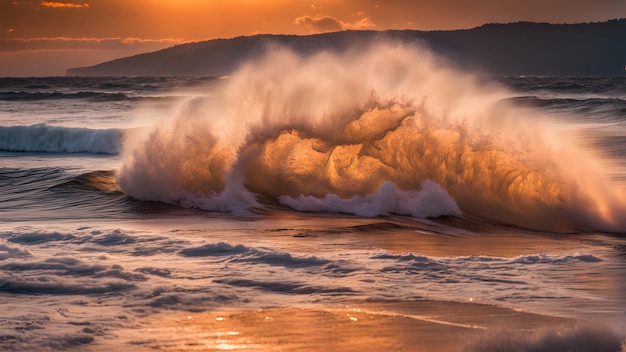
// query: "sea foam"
[[430, 201], [332, 132]]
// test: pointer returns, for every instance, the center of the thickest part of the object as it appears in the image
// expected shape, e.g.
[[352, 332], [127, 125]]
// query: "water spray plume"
[[368, 132]]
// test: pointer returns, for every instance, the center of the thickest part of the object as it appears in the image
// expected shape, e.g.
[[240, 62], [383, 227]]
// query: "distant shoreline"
[[514, 49]]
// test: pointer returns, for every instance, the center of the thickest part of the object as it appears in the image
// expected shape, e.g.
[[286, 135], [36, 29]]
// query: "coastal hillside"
[[588, 49]]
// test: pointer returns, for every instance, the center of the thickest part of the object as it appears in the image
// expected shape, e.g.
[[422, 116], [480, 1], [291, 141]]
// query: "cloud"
[[132, 40], [364, 23], [321, 23], [63, 4]]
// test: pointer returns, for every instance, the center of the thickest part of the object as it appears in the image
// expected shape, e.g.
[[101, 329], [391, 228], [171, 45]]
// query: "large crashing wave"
[[327, 132]]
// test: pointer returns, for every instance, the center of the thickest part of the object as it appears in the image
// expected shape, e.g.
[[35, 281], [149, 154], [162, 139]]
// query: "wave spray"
[[383, 130]]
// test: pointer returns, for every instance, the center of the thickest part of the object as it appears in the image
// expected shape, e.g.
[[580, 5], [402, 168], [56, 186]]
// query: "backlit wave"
[[345, 128]]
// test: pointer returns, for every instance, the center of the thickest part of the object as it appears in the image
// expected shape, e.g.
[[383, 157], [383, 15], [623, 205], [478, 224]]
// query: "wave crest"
[[55, 139], [345, 124]]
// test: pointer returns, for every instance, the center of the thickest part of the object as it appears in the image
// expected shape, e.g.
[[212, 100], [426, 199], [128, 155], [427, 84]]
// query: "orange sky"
[[46, 37]]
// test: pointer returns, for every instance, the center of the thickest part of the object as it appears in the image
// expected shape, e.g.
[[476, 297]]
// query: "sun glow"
[[63, 4]]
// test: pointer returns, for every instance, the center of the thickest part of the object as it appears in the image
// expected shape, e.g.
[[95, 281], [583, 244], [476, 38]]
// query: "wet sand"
[[372, 326]]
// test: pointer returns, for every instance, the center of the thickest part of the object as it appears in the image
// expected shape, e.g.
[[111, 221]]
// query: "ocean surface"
[[319, 182]]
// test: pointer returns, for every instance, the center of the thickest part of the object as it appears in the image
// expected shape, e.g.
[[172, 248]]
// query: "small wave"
[[582, 337], [55, 139], [284, 287], [63, 275], [214, 249], [601, 86], [546, 259], [103, 181], [91, 96], [30, 287], [540, 101], [557, 259], [379, 227], [282, 259], [30, 238], [601, 108], [7, 251], [403, 257], [252, 255], [94, 89]]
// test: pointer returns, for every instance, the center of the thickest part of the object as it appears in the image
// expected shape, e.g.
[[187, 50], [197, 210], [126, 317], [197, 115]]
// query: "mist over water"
[[363, 132]]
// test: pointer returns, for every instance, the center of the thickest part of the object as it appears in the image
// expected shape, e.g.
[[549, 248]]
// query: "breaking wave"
[[55, 139], [387, 130]]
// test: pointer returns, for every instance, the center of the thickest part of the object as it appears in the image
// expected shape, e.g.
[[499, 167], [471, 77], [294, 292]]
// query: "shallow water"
[[99, 279]]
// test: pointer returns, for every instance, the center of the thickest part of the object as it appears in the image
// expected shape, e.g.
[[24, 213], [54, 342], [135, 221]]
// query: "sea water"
[[323, 181]]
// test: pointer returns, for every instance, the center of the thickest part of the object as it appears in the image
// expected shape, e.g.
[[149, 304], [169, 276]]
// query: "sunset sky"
[[39, 38]]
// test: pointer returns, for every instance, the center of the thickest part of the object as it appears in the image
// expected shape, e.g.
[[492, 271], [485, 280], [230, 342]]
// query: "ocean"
[[339, 202]]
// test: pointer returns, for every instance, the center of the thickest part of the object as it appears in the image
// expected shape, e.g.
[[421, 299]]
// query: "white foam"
[[344, 124], [430, 201]]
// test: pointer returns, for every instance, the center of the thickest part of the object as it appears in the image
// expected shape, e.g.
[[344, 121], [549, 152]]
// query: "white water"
[[341, 126]]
